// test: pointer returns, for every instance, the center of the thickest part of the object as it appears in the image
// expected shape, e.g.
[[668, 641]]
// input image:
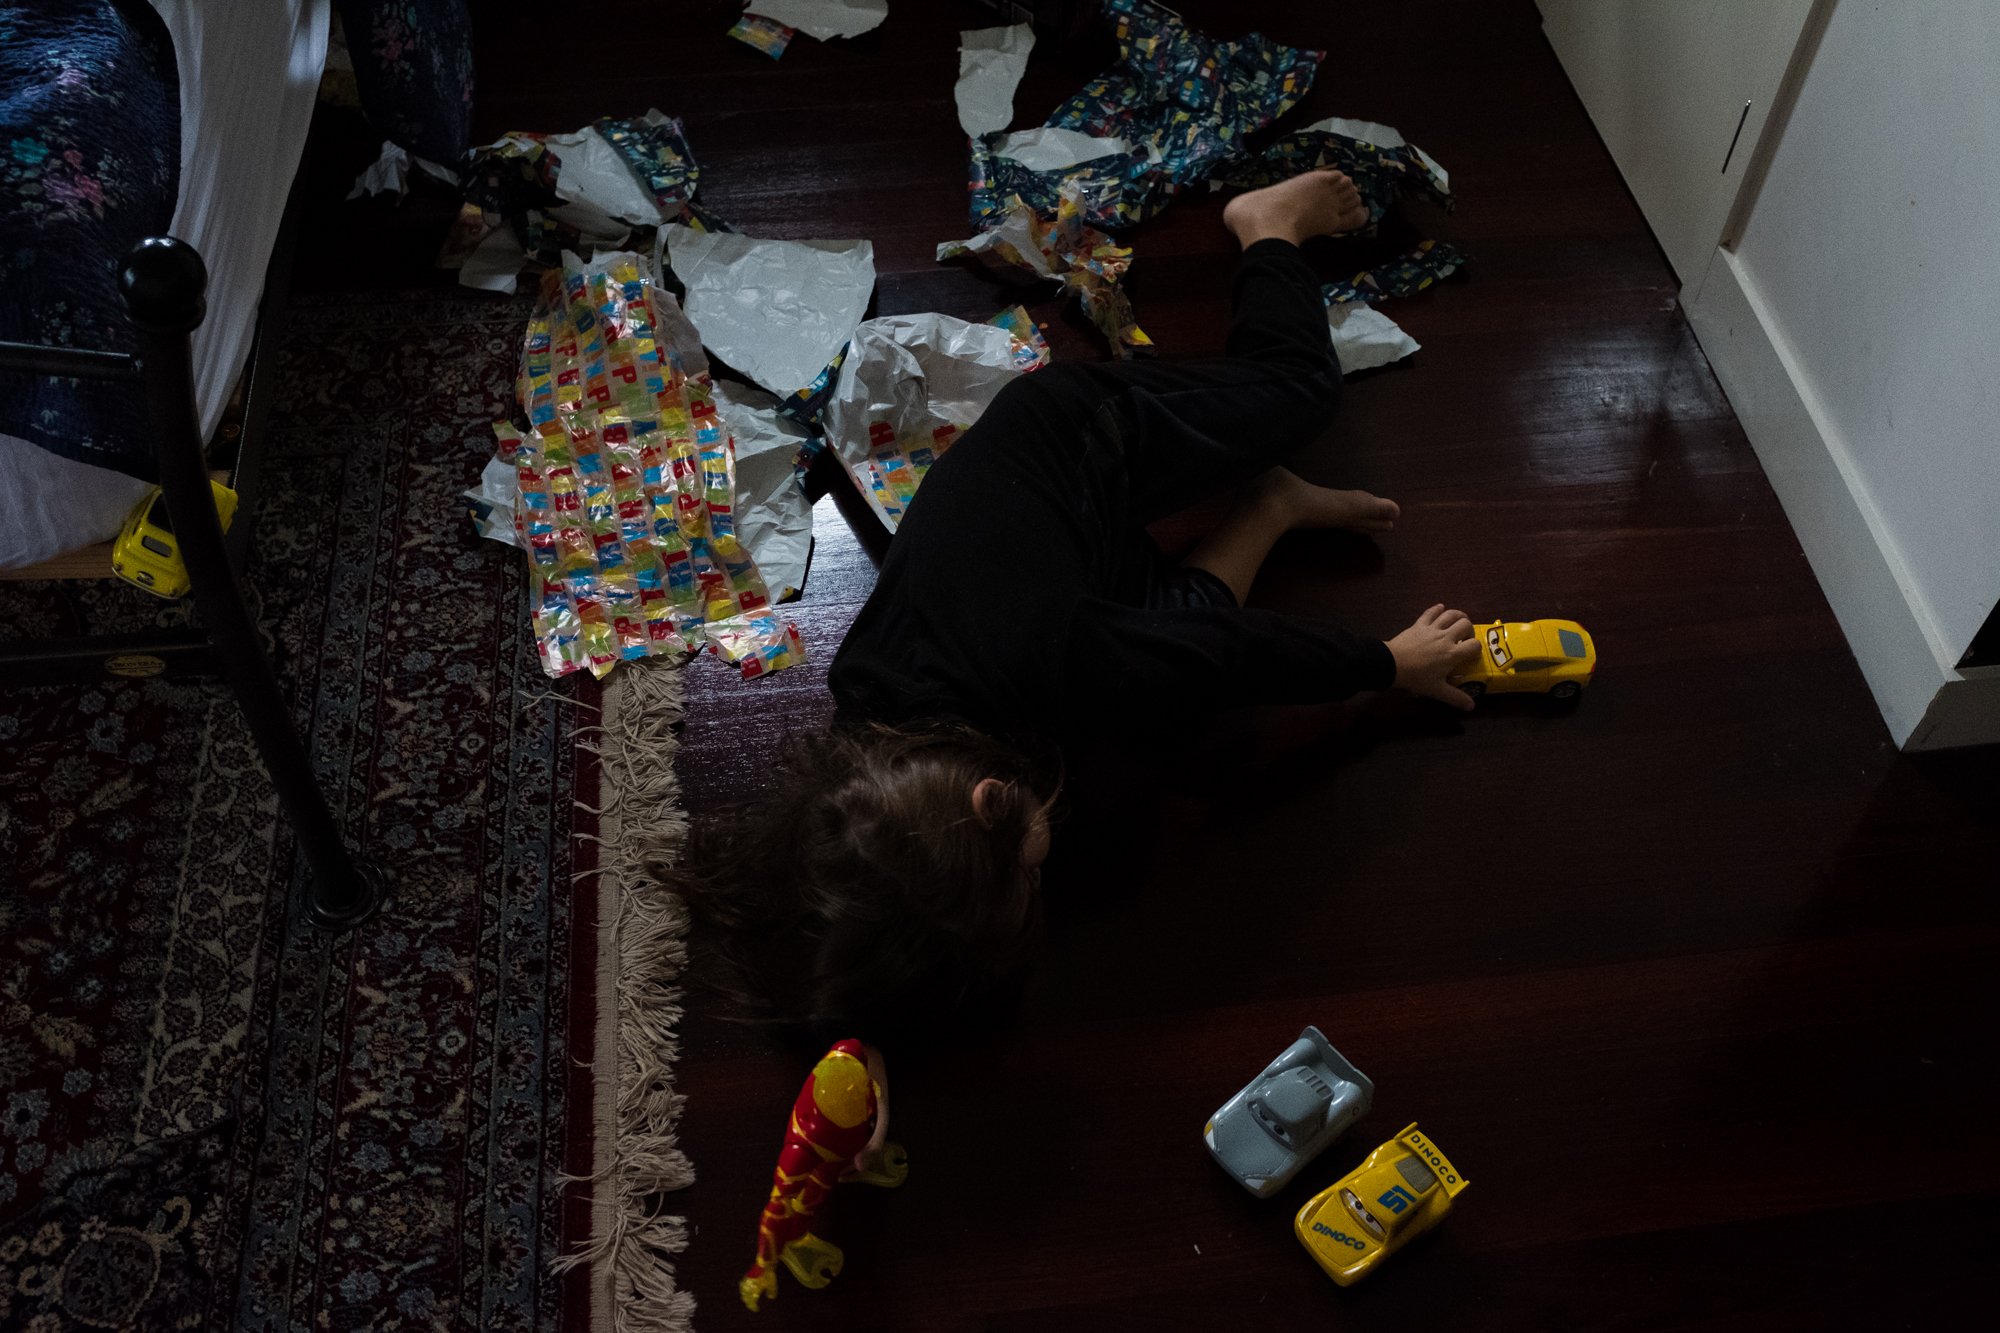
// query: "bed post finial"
[[165, 285]]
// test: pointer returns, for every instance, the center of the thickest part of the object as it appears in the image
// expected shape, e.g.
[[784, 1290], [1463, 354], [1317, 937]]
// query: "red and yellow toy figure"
[[837, 1133]]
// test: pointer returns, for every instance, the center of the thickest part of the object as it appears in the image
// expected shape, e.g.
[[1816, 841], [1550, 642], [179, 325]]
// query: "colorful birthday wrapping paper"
[[761, 33], [1183, 100], [1031, 349], [627, 484], [911, 386]]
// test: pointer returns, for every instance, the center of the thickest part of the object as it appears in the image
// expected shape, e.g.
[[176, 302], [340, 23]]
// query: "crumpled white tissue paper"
[[914, 373], [824, 19], [772, 516], [775, 310], [1364, 337], [990, 64]]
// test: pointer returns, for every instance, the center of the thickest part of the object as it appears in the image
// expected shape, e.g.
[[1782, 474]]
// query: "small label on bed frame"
[[135, 664]]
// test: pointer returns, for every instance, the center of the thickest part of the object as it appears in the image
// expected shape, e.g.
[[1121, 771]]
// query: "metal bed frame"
[[164, 283]]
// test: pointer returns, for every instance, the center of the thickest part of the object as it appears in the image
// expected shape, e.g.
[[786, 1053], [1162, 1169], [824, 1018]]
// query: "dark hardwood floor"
[[1692, 981]]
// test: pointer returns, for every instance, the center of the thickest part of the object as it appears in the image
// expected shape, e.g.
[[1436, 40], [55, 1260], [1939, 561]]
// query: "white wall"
[[1665, 82], [1874, 252]]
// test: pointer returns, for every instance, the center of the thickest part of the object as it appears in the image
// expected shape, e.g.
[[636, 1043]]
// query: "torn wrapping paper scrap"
[[758, 645], [583, 190], [912, 384], [761, 33], [637, 171], [1082, 258], [1367, 131], [1193, 96], [593, 228], [494, 263], [1031, 350], [1382, 136], [990, 64], [391, 171], [627, 478], [514, 177], [1054, 150], [778, 311], [493, 499], [655, 151], [1382, 172], [468, 229], [824, 19], [997, 178], [1405, 276], [1020, 237], [696, 216], [1364, 337], [772, 515], [807, 407], [1182, 100]]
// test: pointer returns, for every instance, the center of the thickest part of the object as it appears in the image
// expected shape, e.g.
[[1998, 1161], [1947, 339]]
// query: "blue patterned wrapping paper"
[[515, 176], [1426, 263], [655, 148], [1382, 175], [807, 406], [1188, 98]]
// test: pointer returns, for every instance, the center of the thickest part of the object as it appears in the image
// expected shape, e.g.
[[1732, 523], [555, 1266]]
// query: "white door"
[[1666, 82]]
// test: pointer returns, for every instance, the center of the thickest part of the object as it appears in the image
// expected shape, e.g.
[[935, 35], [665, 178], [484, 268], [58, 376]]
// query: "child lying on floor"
[[896, 866]]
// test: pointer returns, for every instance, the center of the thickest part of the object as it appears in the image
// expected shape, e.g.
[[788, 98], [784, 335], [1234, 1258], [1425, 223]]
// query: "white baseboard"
[[1926, 702]]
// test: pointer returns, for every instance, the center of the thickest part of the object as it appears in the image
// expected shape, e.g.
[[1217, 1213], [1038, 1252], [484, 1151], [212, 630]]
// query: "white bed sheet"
[[249, 72]]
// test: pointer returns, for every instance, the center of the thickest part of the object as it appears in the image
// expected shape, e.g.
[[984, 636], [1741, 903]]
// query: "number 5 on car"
[[1403, 1190]]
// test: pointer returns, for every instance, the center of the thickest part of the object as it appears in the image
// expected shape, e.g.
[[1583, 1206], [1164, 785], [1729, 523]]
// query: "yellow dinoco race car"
[[1552, 657], [146, 553], [1403, 1190]]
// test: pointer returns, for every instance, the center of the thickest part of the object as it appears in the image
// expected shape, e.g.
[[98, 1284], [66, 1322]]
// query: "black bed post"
[[165, 283]]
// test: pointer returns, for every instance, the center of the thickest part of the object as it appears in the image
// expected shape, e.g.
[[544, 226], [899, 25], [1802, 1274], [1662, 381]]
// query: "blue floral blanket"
[[413, 66], [90, 152]]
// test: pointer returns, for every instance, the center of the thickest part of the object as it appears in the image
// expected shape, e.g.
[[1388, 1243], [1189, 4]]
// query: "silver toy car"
[[1305, 1100]]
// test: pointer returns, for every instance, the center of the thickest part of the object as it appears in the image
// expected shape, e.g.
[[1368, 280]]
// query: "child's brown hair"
[[864, 896]]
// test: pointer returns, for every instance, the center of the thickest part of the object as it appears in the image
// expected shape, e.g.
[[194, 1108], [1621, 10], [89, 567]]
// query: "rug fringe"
[[633, 1249]]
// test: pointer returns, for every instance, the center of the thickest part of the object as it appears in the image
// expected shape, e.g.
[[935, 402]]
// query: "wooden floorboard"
[[1693, 980]]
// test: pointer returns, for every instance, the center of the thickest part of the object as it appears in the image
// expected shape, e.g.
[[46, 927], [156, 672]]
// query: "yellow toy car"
[[1403, 1190], [1552, 657], [146, 553]]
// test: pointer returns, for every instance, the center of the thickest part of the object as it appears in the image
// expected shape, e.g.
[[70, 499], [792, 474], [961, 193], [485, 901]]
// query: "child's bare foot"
[[1322, 202], [1304, 505]]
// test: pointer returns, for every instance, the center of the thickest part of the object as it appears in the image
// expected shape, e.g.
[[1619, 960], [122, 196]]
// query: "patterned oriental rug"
[[212, 1117]]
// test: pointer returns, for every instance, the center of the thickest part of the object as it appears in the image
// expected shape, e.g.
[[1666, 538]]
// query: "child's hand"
[[1428, 652]]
